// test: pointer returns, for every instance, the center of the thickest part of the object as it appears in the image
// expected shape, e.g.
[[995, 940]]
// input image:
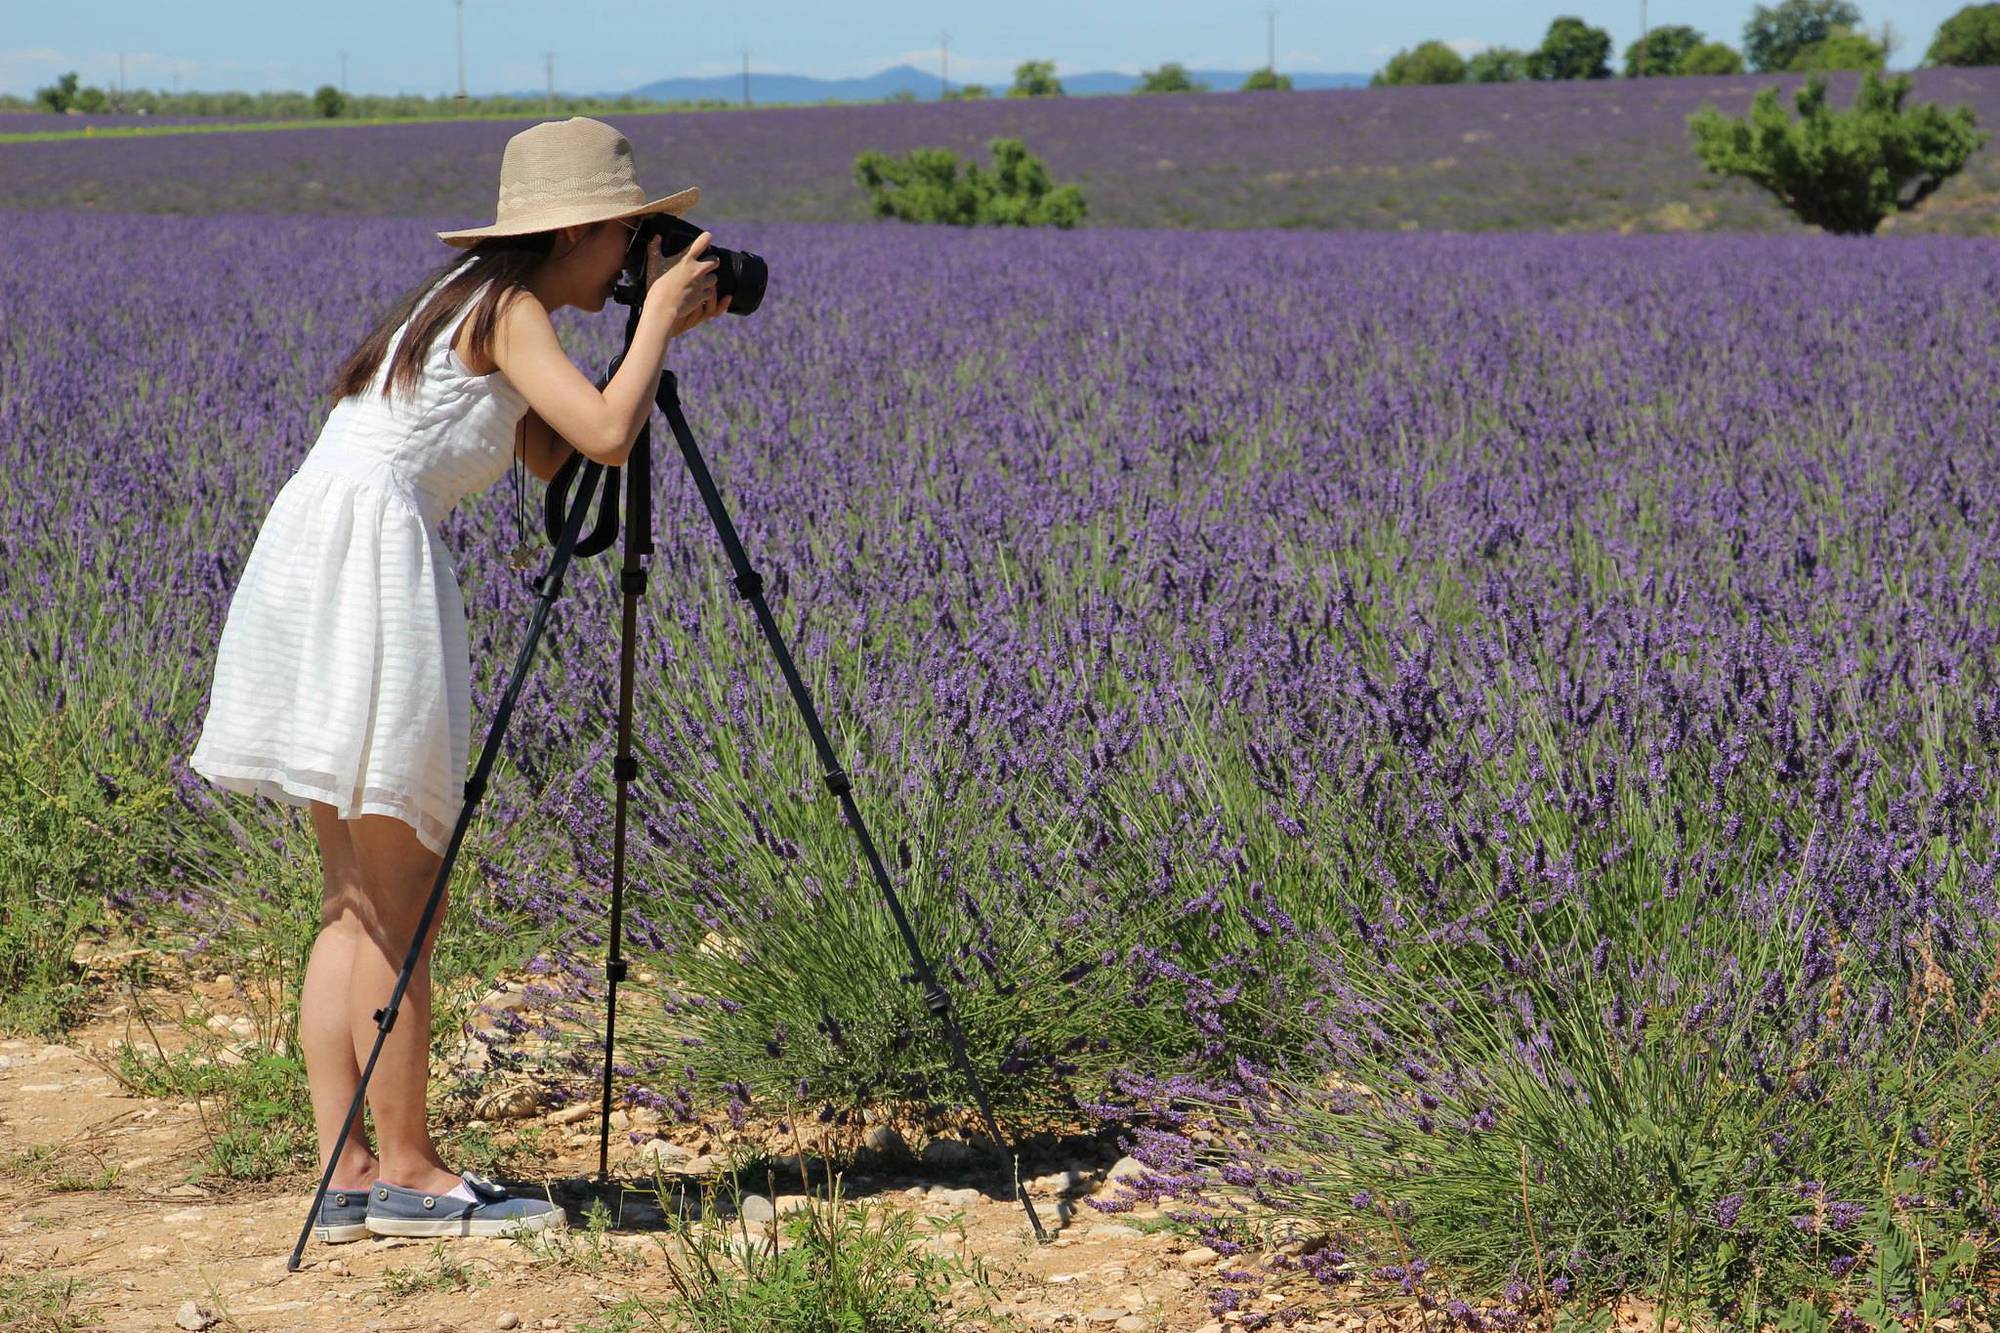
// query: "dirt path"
[[151, 1240]]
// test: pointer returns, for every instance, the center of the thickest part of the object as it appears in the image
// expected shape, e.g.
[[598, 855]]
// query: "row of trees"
[[1792, 35], [1032, 78], [324, 102], [1037, 78]]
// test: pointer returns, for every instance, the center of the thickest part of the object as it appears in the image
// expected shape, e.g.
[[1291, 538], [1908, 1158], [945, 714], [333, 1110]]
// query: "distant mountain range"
[[886, 83]]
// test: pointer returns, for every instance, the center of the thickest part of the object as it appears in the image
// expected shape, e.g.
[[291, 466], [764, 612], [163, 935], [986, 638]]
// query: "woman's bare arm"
[[539, 448], [601, 424]]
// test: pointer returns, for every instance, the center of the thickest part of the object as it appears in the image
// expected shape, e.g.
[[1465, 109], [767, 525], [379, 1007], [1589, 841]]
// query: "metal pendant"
[[522, 557]]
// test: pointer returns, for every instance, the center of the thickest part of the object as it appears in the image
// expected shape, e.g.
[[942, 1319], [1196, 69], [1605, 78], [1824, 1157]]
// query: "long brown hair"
[[506, 261]]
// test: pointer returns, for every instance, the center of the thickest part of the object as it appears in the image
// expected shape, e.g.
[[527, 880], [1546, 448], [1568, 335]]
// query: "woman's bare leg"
[[325, 1027], [397, 873]]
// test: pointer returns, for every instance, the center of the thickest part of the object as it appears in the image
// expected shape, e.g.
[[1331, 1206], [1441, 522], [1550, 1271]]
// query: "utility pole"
[[459, 5], [549, 102], [1271, 38], [121, 80], [746, 76], [944, 65], [1645, 55], [343, 73]]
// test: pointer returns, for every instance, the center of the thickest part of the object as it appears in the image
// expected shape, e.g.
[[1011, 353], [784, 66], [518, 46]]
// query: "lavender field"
[[1611, 155], [1489, 730]]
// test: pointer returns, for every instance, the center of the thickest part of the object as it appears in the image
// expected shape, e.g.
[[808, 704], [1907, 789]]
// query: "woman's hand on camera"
[[686, 287]]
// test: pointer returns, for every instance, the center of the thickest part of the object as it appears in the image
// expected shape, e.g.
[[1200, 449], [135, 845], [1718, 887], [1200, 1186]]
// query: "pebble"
[[338, 1267], [1106, 1314], [885, 1140], [1057, 1182], [1198, 1257], [99, 1233], [569, 1115], [195, 1317], [183, 1215], [662, 1154], [1132, 1323], [756, 1210], [958, 1198], [1127, 1168], [507, 1319], [946, 1152]]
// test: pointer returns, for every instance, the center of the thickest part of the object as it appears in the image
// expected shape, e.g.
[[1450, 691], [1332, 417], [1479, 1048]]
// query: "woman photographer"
[[342, 678]]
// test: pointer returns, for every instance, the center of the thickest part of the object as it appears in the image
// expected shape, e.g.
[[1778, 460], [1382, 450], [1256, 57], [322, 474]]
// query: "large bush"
[[1497, 64], [1266, 80], [1426, 62], [1969, 37], [1171, 77], [1711, 58], [1661, 51], [1572, 49], [1842, 170], [1843, 50], [1775, 34], [1036, 78], [933, 185]]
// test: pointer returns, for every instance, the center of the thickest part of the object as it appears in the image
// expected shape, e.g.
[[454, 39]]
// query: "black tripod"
[[563, 527]]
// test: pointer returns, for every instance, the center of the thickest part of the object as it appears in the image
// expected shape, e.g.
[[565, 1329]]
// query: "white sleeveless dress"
[[343, 673]]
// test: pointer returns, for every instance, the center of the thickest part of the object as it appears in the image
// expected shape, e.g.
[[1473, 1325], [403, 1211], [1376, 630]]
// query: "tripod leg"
[[750, 585], [549, 586]]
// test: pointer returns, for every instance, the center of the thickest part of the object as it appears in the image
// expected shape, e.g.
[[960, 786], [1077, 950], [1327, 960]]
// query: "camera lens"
[[739, 274]]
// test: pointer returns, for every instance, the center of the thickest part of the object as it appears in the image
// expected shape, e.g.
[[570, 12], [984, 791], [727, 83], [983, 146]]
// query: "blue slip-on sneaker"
[[395, 1211], [342, 1216]]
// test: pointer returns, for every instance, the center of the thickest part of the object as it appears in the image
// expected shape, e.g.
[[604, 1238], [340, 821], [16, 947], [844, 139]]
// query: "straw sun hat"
[[564, 173]]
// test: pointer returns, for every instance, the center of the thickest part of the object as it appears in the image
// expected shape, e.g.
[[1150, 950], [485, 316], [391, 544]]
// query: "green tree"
[[1776, 34], [1842, 50], [927, 185], [1171, 77], [1267, 80], [1969, 37], [1844, 171], [91, 100], [1035, 78], [328, 100], [1497, 64], [61, 96], [1661, 51], [1572, 49], [1711, 58], [970, 92], [1426, 62], [902, 95]]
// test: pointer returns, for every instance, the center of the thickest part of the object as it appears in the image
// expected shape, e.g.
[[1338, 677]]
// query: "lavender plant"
[[1511, 716]]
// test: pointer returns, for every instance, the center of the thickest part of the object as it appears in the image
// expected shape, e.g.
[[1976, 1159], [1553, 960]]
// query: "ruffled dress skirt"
[[343, 673]]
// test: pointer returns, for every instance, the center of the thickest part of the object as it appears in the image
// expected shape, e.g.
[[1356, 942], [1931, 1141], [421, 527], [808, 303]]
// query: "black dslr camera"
[[739, 274]]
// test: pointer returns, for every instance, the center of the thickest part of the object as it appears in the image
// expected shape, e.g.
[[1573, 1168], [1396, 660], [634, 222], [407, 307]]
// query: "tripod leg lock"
[[836, 782], [749, 584], [385, 1020], [936, 1000]]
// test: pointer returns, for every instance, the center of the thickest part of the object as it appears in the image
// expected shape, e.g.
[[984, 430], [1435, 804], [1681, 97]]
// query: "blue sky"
[[408, 45]]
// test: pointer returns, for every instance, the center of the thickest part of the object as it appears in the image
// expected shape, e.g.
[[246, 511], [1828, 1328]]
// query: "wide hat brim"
[[570, 215]]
